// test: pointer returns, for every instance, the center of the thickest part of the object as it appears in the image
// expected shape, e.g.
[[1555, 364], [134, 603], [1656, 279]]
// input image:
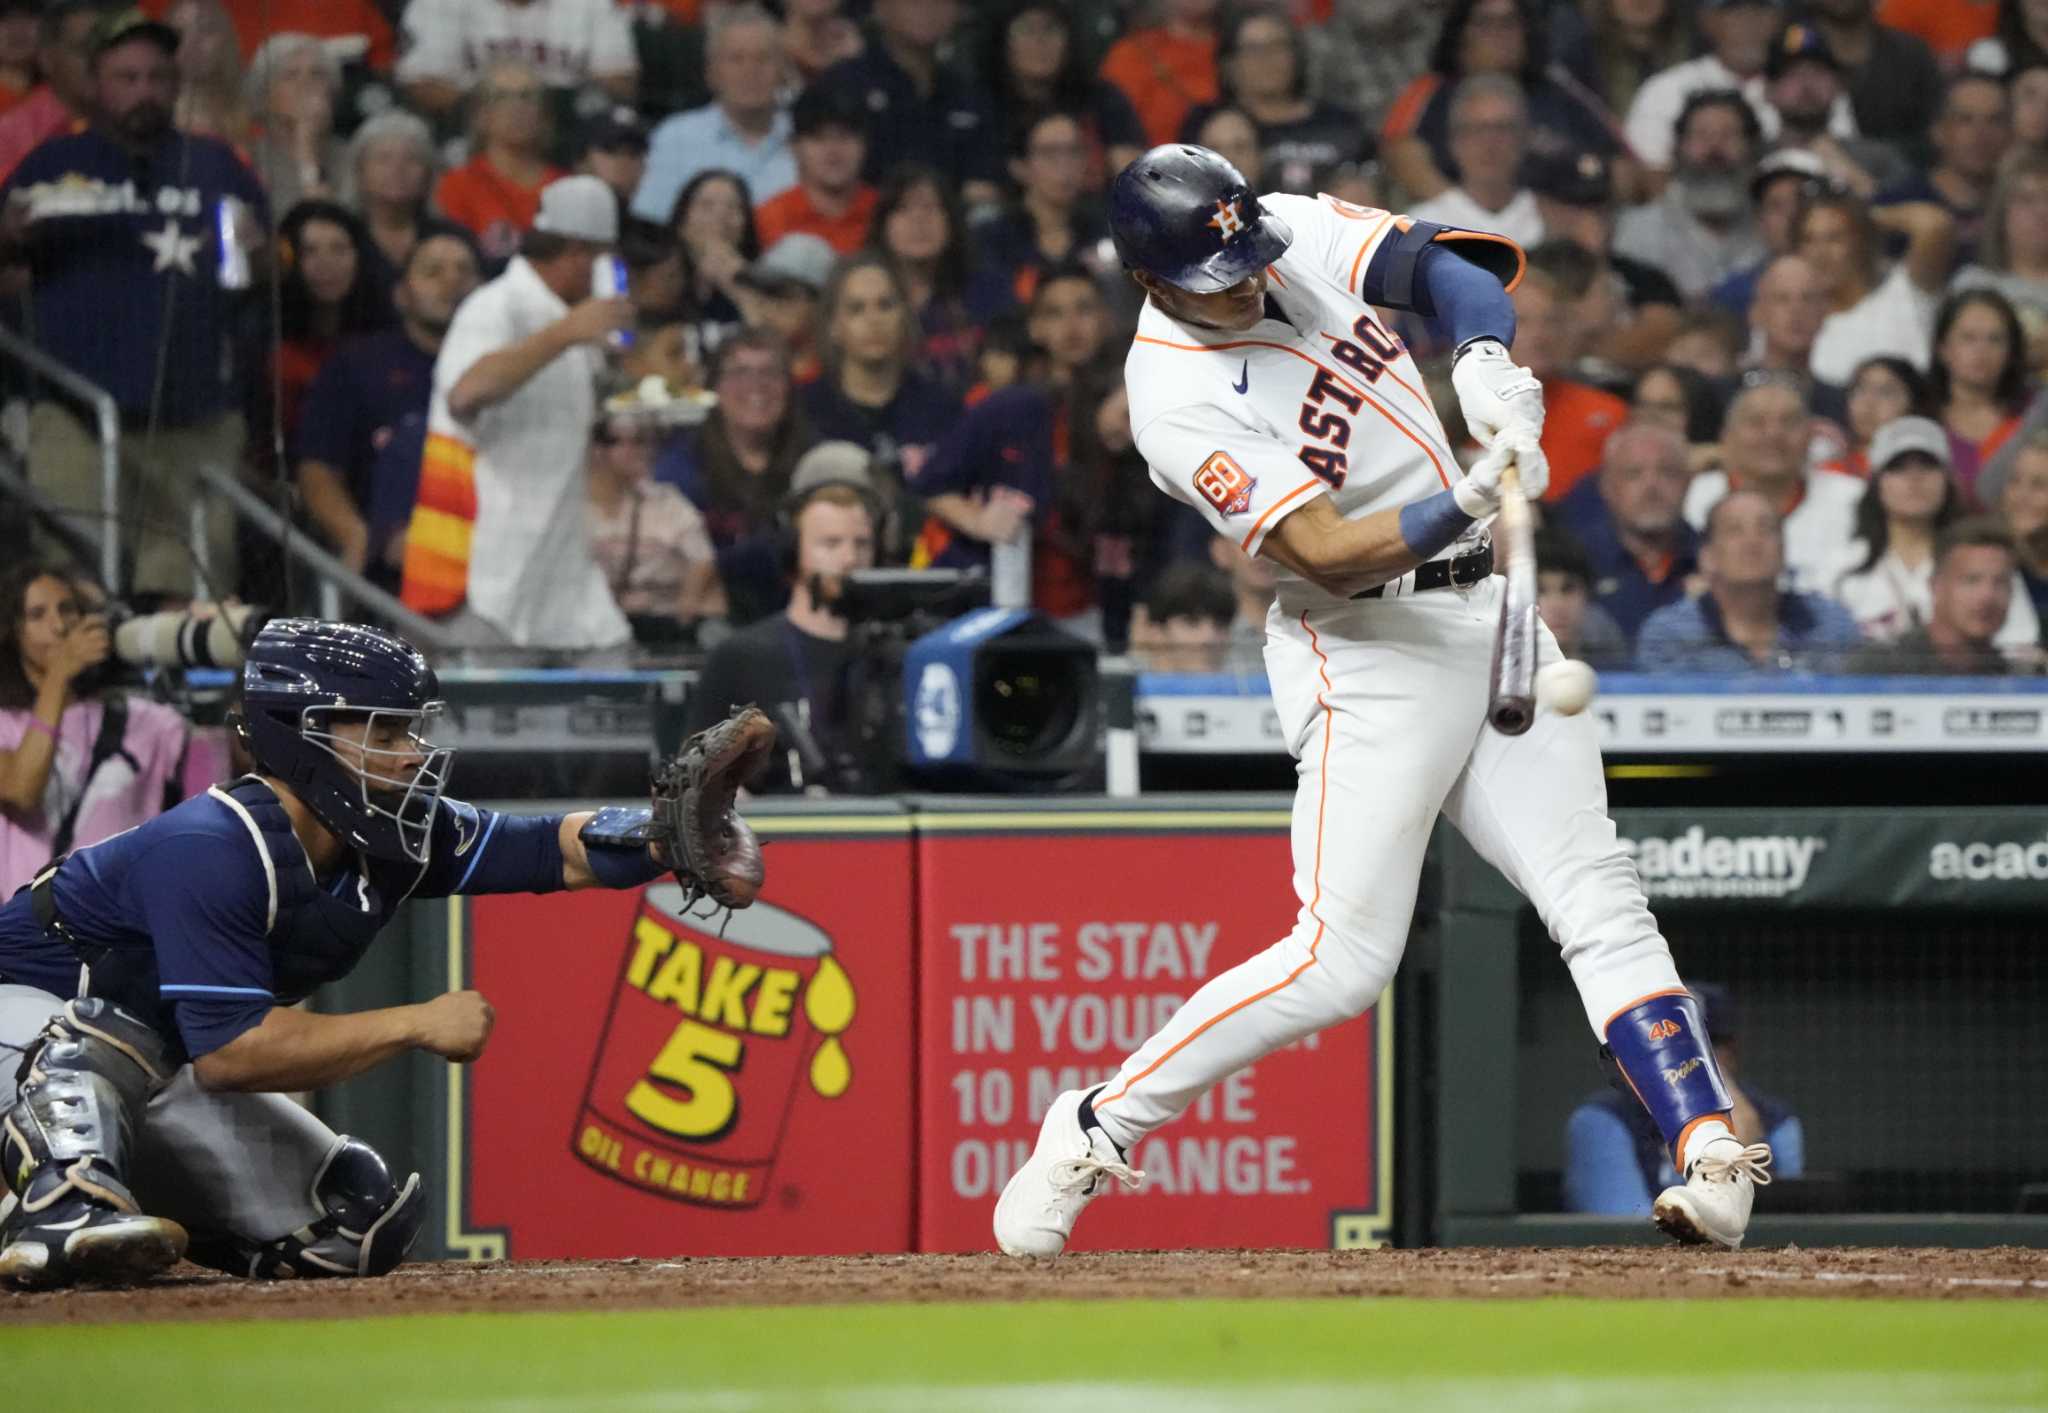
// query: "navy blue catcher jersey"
[[207, 916], [124, 255]]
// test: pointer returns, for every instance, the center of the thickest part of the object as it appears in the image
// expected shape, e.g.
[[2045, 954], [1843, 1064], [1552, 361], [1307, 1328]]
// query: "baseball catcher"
[[148, 1036]]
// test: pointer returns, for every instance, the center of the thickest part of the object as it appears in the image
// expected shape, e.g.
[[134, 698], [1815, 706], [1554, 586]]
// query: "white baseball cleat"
[[1070, 1167], [1713, 1205]]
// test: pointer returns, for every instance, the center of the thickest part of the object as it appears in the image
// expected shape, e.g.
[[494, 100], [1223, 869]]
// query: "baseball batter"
[[148, 1041], [1267, 394]]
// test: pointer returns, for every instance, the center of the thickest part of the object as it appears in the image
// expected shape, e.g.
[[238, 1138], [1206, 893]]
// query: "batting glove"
[[1493, 392], [1478, 494]]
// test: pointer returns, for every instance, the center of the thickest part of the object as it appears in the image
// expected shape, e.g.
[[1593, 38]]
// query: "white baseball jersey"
[[567, 42], [1246, 427]]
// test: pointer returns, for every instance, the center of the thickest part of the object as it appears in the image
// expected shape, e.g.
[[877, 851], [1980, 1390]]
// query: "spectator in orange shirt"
[[1577, 418], [63, 57], [360, 22], [829, 200], [1169, 68], [1949, 27], [496, 194], [17, 50]]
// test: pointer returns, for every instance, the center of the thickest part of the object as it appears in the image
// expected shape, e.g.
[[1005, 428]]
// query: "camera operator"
[[798, 665], [77, 764]]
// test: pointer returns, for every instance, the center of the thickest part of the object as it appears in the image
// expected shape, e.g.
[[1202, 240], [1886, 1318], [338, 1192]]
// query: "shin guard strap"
[[1661, 1047]]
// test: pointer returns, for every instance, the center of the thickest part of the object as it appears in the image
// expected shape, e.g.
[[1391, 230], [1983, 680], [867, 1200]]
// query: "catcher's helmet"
[[1185, 214], [304, 673]]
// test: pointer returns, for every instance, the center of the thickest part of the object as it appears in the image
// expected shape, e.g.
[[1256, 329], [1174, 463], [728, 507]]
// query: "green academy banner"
[[1988, 859]]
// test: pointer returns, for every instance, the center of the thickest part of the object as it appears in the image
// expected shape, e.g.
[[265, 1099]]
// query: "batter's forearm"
[[296, 1050], [1341, 556]]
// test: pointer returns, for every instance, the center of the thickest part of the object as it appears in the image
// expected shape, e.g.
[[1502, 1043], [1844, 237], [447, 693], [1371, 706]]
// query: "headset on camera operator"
[[78, 763], [800, 666]]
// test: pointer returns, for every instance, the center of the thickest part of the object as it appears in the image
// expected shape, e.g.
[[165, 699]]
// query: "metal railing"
[[108, 416]]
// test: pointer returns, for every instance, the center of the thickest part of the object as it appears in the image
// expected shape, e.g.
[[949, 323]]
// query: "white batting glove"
[[1478, 494], [1494, 392]]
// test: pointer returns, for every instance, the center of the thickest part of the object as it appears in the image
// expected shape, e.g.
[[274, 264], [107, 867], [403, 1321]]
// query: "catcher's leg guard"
[[66, 1145], [369, 1222]]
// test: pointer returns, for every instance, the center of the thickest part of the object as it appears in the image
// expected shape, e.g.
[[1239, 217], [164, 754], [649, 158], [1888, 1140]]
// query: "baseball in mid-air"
[[1566, 687]]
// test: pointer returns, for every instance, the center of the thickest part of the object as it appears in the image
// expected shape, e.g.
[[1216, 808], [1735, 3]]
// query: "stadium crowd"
[[1787, 296]]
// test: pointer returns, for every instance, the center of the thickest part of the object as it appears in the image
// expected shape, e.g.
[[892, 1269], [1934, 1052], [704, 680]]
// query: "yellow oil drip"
[[828, 1000], [831, 1072]]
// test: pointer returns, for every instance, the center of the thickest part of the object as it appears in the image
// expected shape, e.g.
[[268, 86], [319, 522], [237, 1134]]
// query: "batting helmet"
[[304, 673], [1185, 214]]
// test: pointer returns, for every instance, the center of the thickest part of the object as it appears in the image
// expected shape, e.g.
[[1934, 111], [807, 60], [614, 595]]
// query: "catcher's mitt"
[[712, 850]]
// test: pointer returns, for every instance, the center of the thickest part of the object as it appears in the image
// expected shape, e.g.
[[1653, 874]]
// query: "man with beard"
[[121, 227], [799, 665], [1702, 227], [358, 442], [1806, 83]]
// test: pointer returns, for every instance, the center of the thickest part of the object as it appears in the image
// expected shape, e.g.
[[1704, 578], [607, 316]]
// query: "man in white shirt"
[[744, 129], [450, 44], [1488, 123], [1739, 34], [515, 393], [1764, 446]]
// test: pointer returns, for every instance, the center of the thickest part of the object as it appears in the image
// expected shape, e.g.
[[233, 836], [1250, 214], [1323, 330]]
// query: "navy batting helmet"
[[304, 676], [1185, 214]]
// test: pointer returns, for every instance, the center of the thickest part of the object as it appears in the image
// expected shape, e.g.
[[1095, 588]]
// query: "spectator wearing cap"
[[451, 46], [829, 200], [1488, 123], [1051, 221], [1970, 598], [291, 90], [2012, 247], [359, 437], [497, 538], [1785, 318], [800, 665], [1784, 182], [1971, 133], [736, 467], [118, 223], [1168, 68], [1806, 83], [385, 179], [1739, 35], [1615, 1161], [1765, 448], [1978, 379], [1564, 601], [1575, 199], [615, 152], [919, 108], [1872, 310], [1892, 76], [1628, 518], [1550, 338], [1745, 621], [64, 59], [1947, 27], [1262, 63], [1033, 60], [496, 193], [782, 290], [1701, 226], [744, 129], [648, 540], [1887, 578]]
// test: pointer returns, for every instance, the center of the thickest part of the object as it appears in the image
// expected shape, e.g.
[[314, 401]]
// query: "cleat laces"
[[1753, 1162]]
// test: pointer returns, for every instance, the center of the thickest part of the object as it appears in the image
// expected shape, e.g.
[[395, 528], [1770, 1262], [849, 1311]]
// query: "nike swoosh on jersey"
[[1244, 377]]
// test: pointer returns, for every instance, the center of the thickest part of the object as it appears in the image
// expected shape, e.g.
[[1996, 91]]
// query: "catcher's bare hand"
[[456, 1025], [697, 828]]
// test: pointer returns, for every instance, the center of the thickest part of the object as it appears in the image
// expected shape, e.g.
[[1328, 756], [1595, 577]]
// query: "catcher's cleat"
[[1713, 1205], [1070, 1167], [80, 1238]]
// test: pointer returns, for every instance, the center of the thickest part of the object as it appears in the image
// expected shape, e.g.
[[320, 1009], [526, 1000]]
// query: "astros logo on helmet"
[[1226, 219]]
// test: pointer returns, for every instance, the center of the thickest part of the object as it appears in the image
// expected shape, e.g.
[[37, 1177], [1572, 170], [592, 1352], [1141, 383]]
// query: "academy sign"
[[1989, 861], [1696, 864]]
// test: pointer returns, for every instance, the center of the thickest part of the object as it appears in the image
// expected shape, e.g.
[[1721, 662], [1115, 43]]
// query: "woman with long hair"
[[1887, 579], [871, 393], [496, 193], [713, 223], [1978, 378], [1684, 401], [292, 87], [1033, 64], [1051, 220], [2012, 253], [1633, 39], [326, 293], [1883, 389], [68, 775], [919, 226], [1509, 38], [1262, 71]]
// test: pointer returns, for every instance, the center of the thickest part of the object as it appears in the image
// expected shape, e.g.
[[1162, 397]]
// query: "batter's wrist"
[[1476, 341]]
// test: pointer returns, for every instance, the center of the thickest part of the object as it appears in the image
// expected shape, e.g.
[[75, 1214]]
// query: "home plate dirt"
[[189, 1293]]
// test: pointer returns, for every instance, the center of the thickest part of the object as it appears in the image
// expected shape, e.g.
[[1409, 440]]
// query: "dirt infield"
[[1469, 1273]]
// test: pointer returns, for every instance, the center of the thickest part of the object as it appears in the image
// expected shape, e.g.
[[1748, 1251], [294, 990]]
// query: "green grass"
[[1187, 1356]]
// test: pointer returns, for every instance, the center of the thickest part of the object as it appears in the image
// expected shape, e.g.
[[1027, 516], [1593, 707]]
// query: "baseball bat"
[[1511, 698]]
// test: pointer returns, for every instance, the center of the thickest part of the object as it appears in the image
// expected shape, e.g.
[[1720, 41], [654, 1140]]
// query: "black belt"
[[1460, 573]]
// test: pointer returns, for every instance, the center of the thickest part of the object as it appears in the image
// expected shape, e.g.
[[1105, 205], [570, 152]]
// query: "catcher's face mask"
[[397, 770]]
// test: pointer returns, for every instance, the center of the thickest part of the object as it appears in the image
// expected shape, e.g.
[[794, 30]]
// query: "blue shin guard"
[[1660, 1045]]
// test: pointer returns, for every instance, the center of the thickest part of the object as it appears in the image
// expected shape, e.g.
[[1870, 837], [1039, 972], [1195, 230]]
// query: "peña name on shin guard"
[[1660, 1046]]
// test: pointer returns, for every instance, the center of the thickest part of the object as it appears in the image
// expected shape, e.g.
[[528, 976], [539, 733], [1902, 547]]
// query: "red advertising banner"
[[665, 1080], [1051, 945]]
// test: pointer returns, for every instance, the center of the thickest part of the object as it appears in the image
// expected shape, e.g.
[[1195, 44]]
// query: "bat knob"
[[1512, 718]]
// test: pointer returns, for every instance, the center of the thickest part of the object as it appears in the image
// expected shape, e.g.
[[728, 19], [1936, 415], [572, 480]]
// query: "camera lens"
[[1028, 703]]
